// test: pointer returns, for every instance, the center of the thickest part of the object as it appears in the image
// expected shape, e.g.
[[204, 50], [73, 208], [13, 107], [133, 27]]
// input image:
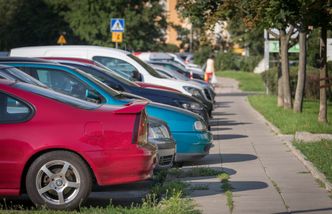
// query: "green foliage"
[[193, 172], [27, 23], [223, 177], [202, 55], [171, 205], [231, 61], [270, 77], [247, 81], [319, 153], [145, 21], [288, 121], [40, 22]]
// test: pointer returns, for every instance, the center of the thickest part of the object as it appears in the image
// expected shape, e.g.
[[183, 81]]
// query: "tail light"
[[141, 128]]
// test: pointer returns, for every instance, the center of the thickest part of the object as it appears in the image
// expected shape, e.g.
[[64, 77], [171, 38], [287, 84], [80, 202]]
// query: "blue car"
[[193, 140]]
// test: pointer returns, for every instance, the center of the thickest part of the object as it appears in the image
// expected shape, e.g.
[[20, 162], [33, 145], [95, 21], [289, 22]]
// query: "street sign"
[[61, 40], [117, 25], [117, 37], [274, 47]]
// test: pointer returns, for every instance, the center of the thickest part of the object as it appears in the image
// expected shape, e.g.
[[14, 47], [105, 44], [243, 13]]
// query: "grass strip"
[[319, 153], [247, 81], [288, 121]]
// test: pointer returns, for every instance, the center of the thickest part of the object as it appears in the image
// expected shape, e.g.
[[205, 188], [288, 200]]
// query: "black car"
[[178, 68], [161, 96]]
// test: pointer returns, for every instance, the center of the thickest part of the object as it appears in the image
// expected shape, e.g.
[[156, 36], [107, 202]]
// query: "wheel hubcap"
[[58, 182]]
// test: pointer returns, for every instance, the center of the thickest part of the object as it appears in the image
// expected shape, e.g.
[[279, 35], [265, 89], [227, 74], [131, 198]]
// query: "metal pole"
[[266, 57], [116, 45]]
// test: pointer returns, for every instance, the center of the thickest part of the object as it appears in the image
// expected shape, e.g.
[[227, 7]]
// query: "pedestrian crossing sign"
[[117, 25]]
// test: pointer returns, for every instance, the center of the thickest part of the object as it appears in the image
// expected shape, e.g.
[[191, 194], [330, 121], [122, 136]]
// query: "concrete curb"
[[312, 169]]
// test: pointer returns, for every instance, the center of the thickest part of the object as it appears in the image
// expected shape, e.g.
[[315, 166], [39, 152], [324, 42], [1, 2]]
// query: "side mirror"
[[137, 76]]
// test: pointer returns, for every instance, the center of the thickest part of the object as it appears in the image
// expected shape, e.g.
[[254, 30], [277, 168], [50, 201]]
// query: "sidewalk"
[[265, 175]]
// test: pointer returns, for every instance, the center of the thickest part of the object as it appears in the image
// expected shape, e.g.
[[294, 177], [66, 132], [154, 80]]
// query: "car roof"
[[21, 59], [70, 47], [6, 82]]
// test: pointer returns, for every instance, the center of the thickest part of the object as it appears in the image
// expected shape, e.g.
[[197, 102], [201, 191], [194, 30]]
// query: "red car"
[[55, 147]]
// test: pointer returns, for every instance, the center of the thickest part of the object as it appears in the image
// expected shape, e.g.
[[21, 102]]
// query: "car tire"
[[58, 180]]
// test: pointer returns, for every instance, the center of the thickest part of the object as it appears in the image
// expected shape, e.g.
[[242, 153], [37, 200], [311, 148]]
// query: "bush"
[[270, 78], [235, 62], [202, 55]]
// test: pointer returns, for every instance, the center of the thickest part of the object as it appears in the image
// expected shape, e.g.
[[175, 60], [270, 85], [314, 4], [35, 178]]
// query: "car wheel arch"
[[42, 152]]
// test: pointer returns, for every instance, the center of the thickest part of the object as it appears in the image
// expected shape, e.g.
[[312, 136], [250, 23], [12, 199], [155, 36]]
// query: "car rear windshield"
[[147, 67], [49, 93], [21, 76]]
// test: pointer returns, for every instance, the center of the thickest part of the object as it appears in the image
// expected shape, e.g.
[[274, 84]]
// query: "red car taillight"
[[141, 129]]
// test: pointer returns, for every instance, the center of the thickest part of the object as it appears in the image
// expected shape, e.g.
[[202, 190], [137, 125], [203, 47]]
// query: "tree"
[[89, 20], [25, 22], [324, 22]]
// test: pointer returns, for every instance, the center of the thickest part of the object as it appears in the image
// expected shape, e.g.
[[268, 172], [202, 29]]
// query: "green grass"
[[247, 81], [319, 153], [288, 121], [193, 172], [174, 204]]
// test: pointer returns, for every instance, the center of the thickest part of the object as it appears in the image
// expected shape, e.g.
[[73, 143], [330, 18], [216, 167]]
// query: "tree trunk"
[[285, 69], [322, 116], [280, 83], [301, 77]]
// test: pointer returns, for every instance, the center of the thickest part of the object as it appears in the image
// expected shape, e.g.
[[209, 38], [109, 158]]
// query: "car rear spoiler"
[[132, 108]]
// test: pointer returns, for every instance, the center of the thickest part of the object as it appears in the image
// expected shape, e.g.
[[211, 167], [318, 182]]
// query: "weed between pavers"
[[200, 187], [193, 172], [227, 189]]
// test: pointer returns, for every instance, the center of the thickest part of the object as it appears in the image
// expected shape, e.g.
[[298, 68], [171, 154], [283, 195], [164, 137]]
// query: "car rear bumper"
[[166, 152], [123, 165]]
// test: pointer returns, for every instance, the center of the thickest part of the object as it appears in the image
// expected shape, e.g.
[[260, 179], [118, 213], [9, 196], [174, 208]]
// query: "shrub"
[[270, 78]]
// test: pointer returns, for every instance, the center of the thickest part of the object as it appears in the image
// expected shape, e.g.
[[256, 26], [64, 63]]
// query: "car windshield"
[[21, 76], [49, 93], [173, 73], [112, 74], [147, 67]]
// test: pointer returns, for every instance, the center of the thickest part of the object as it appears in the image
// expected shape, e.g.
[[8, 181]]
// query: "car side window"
[[13, 110], [66, 83], [117, 65]]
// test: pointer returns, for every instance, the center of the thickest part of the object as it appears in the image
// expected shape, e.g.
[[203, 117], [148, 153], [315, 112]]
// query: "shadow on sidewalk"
[[220, 129], [223, 104], [216, 187], [222, 114], [225, 122], [231, 158], [228, 136]]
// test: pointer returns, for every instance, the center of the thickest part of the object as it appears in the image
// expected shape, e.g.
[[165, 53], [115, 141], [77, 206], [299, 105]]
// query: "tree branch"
[[273, 34]]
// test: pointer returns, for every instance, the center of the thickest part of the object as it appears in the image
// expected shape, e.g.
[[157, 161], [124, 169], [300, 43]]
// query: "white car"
[[114, 59]]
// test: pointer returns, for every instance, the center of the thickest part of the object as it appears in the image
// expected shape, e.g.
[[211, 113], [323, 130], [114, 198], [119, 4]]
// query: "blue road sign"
[[117, 25]]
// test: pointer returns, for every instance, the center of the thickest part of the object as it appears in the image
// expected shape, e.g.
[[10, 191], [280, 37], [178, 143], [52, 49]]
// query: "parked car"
[[160, 96], [155, 57], [170, 73], [162, 139], [56, 158], [115, 59], [122, 74], [190, 132]]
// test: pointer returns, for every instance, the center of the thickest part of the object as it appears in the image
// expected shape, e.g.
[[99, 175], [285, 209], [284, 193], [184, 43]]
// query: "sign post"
[[117, 27]]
